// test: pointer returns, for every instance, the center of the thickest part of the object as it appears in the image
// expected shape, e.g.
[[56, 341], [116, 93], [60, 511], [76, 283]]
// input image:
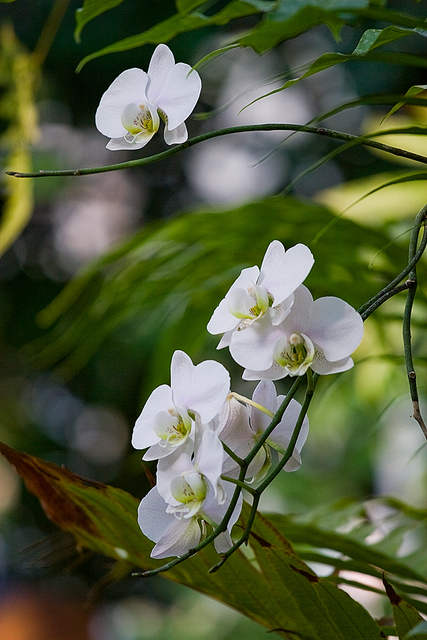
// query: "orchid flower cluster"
[[199, 431]]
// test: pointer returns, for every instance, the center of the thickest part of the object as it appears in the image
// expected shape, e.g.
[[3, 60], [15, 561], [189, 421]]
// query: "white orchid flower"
[[320, 334], [262, 297], [242, 426], [189, 494], [168, 418], [184, 471], [130, 110]]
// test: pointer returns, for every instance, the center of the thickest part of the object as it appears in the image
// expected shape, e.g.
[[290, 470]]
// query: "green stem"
[[311, 385], [329, 133], [372, 304], [406, 330], [243, 538]]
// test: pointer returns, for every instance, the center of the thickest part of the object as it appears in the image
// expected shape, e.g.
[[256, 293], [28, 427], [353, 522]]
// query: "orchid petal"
[[128, 87], [283, 432], [222, 320], [209, 457], [121, 144], [275, 372], [298, 318], [181, 536], [143, 434], [240, 303], [180, 94], [152, 516], [252, 347], [176, 136], [323, 367], [162, 61], [265, 395], [203, 388], [335, 327], [282, 277]]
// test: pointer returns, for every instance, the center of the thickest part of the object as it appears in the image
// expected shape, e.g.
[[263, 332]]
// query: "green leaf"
[[369, 41], [167, 278], [413, 91], [182, 23], [406, 617], [280, 591], [330, 612], [293, 18], [184, 6], [315, 535], [90, 10]]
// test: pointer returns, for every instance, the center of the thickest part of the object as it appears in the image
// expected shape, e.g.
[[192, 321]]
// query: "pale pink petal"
[[162, 61], [127, 88], [180, 94]]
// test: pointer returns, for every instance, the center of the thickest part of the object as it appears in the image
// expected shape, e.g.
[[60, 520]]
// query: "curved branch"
[[329, 133]]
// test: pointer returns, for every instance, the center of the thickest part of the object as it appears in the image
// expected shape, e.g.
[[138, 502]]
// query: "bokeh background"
[[71, 395]]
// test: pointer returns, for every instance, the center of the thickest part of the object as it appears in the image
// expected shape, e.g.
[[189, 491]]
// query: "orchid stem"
[[329, 133], [406, 329]]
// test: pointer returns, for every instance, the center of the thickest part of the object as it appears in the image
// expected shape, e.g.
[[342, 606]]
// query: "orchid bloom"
[[169, 416], [130, 110], [188, 495], [242, 426], [261, 297], [319, 334]]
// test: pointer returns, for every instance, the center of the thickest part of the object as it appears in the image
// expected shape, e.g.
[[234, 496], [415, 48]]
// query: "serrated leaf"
[[90, 10], [103, 518], [406, 617], [330, 612]]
